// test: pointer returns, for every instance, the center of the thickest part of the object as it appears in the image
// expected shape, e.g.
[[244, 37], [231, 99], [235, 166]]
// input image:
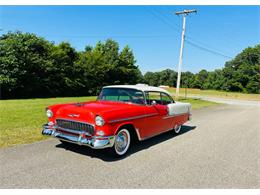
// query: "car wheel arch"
[[131, 128]]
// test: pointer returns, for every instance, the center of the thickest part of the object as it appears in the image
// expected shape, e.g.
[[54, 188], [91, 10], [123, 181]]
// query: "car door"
[[155, 112], [167, 121]]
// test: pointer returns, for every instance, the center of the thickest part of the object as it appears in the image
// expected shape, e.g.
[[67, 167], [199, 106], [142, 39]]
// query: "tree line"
[[241, 74], [31, 66]]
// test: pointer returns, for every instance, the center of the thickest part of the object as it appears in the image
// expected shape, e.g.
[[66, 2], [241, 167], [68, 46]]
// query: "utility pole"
[[184, 14]]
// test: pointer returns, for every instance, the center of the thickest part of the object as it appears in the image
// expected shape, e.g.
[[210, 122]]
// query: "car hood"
[[86, 111]]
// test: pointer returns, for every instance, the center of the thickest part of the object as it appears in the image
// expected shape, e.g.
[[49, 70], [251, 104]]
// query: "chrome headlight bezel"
[[99, 121], [49, 113]]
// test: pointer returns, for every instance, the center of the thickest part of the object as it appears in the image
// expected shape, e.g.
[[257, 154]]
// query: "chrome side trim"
[[174, 115], [132, 118]]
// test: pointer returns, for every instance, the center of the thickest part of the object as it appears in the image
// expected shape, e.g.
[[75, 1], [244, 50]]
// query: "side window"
[[166, 99], [153, 98]]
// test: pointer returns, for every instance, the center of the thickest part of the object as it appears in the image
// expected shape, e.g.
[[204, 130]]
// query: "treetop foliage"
[[242, 74], [31, 66]]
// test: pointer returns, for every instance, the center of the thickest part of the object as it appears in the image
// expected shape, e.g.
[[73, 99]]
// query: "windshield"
[[122, 95]]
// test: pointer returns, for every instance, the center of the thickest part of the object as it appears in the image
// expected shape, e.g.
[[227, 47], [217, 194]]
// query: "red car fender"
[[120, 125]]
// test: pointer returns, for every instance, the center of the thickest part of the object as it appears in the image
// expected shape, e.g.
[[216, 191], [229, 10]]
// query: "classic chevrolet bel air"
[[120, 114]]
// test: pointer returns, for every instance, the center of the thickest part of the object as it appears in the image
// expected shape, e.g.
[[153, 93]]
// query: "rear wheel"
[[122, 143], [177, 129]]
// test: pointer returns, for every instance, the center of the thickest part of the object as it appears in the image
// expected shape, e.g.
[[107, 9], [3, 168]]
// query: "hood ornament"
[[74, 115]]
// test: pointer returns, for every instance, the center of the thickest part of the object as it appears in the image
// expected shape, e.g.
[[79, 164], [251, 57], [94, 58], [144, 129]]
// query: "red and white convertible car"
[[120, 114]]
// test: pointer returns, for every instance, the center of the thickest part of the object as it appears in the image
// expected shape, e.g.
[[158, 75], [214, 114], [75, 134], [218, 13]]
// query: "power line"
[[162, 19], [206, 49], [192, 41], [162, 14], [229, 37], [223, 33], [188, 38]]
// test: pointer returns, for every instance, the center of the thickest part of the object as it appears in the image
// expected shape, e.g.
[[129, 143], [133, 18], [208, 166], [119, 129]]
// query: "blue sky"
[[153, 32]]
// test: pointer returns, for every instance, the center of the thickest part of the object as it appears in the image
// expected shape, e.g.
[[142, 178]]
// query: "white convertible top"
[[141, 87]]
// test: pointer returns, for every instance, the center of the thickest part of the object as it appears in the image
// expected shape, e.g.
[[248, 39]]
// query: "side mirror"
[[153, 102]]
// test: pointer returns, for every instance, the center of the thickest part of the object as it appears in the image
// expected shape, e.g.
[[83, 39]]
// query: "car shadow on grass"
[[136, 146]]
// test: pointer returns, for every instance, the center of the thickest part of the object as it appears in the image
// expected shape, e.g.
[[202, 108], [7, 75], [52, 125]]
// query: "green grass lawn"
[[21, 120], [215, 93]]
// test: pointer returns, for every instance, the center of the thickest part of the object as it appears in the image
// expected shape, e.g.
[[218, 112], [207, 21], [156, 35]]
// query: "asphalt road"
[[219, 148]]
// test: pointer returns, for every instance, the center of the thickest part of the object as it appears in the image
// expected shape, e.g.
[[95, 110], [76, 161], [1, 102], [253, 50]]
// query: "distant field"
[[21, 120], [214, 93]]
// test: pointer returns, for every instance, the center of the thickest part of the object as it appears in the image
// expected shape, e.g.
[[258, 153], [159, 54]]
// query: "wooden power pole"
[[184, 14]]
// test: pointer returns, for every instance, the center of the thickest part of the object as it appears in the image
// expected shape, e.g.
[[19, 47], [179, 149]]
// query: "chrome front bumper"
[[96, 142]]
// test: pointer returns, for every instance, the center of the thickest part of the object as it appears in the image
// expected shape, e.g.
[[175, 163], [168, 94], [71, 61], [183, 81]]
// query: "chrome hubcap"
[[121, 142], [177, 128]]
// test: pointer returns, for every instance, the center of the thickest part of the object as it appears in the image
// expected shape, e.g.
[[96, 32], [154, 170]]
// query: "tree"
[[200, 79], [109, 65], [187, 79], [23, 61], [127, 72], [63, 72], [31, 66], [243, 72]]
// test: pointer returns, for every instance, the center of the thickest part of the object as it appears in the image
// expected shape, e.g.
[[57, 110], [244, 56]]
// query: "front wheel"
[[122, 143]]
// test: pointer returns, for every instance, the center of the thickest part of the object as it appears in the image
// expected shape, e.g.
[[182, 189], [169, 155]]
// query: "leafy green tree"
[[23, 61], [166, 77], [215, 80], [127, 71], [187, 79], [243, 72], [31, 66], [63, 72], [106, 65], [151, 78], [200, 79]]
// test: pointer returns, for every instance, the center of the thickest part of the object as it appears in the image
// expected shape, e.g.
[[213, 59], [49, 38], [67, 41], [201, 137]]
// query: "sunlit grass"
[[215, 93], [21, 120], [197, 103]]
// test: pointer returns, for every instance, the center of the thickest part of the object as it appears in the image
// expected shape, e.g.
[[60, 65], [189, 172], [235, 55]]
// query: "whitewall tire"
[[122, 142], [177, 129]]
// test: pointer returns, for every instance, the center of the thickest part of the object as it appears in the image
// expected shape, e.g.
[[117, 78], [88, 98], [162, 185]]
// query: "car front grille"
[[76, 126]]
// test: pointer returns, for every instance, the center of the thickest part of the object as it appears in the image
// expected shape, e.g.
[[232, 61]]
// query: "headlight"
[[99, 121], [49, 113]]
